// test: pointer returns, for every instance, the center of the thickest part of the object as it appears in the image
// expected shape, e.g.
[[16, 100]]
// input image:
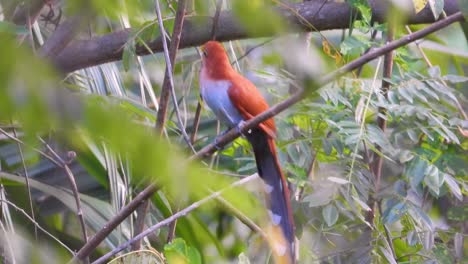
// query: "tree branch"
[[197, 30], [167, 85]]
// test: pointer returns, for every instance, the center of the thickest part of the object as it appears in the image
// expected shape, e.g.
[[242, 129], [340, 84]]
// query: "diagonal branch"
[[168, 84], [168, 88]]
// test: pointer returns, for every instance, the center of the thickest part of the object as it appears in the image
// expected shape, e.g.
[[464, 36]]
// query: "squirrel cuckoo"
[[235, 99]]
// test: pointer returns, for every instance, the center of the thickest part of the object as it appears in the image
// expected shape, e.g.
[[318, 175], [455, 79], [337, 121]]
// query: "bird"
[[234, 100]]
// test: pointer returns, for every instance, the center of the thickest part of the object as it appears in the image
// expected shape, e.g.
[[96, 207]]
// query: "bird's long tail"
[[276, 189]]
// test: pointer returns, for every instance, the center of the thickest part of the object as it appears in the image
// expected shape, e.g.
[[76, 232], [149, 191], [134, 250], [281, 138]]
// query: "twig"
[[26, 180], [387, 232], [214, 28], [139, 224], [376, 165], [175, 216], [252, 49], [36, 224], [114, 222], [35, 149], [168, 84], [74, 188], [27, 13], [196, 122]]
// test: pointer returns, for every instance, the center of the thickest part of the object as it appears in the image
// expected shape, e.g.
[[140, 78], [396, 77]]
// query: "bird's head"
[[215, 62]]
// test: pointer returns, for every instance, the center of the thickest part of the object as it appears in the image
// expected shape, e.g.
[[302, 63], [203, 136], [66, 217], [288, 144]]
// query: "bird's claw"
[[240, 126]]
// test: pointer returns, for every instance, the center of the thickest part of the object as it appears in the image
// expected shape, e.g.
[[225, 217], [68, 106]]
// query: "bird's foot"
[[239, 128]]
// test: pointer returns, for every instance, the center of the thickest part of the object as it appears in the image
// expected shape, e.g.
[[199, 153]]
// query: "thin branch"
[[139, 224], [172, 218], [115, 221], [26, 180], [42, 153], [387, 232], [252, 49], [74, 188], [27, 13], [196, 122], [376, 165], [168, 82], [36, 224], [214, 28], [170, 62]]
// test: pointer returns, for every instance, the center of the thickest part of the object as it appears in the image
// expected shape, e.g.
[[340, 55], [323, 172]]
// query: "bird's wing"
[[250, 103]]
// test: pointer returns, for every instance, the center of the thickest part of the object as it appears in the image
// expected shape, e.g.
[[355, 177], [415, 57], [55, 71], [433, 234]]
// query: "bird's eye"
[[205, 54]]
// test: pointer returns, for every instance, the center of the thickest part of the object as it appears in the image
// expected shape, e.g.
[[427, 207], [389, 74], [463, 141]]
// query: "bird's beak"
[[201, 50]]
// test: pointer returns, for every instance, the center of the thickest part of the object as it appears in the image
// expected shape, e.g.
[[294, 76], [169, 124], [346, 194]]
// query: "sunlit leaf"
[[419, 5], [179, 252]]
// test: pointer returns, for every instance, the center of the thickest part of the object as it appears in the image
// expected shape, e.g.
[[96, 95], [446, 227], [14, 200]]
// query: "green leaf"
[[442, 254], [405, 156], [458, 213], [388, 255], [353, 45], [453, 186], [433, 179], [428, 240], [419, 5], [338, 180], [179, 252], [129, 56], [437, 7], [434, 71], [416, 171], [394, 211], [319, 197], [330, 214], [455, 78]]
